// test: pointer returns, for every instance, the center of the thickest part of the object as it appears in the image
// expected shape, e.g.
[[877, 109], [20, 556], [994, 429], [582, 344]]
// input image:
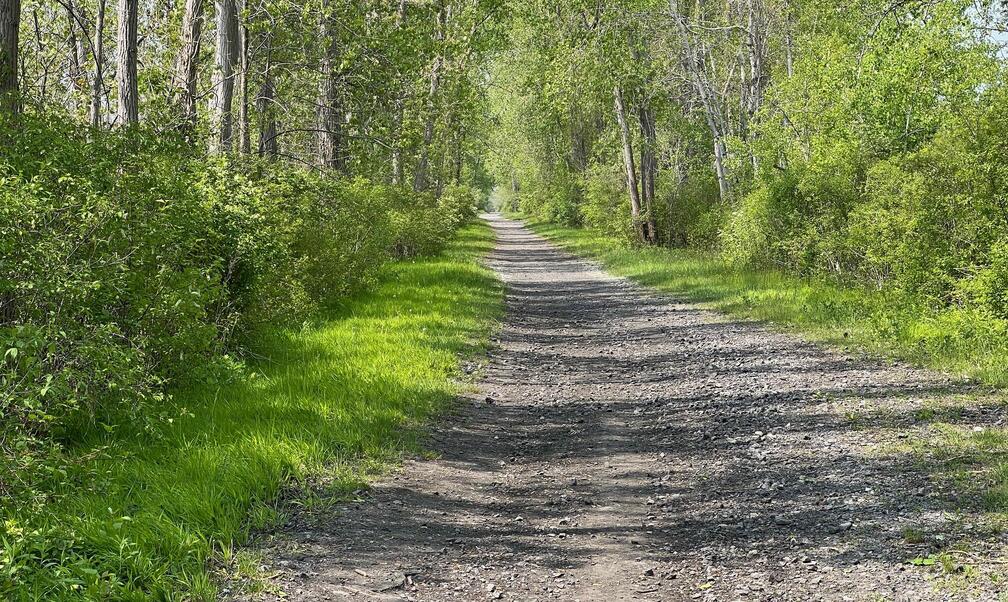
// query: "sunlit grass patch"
[[332, 405]]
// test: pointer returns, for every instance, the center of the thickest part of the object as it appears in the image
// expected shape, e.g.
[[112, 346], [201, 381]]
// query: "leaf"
[[919, 561]]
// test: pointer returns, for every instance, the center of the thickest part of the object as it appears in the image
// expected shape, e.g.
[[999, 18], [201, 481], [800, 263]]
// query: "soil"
[[630, 446]]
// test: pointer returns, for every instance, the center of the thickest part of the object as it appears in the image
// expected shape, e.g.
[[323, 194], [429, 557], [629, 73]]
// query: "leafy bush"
[[604, 208], [690, 214], [112, 283], [422, 224], [556, 199], [748, 230], [131, 263], [988, 288]]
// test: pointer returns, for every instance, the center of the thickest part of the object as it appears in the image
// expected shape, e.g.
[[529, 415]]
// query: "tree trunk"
[[328, 134], [226, 56], [268, 124], [720, 154], [98, 83], [397, 160], [716, 122], [43, 81], [266, 108], [187, 63], [78, 57], [10, 24], [126, 64], [399, 110], [648, 169], [244, 135], [758, 78], [421, 180], [628, 162]]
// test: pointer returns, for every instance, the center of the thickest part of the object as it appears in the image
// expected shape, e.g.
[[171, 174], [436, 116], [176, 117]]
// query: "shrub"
[[691, 214], [745, 239], [988, 289], [131, 263], [556, 199], [422, 224], [605, 208], [344, 238], [885, 232], [110, 280]]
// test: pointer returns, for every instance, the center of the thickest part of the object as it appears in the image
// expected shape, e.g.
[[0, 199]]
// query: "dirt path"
[[629, 447]]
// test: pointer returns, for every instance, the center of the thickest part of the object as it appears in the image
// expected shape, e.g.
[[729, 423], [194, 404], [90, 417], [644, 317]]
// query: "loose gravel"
[[630, 446]]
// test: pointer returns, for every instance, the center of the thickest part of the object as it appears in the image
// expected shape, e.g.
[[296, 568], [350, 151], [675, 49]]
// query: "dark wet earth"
[[626, 446]]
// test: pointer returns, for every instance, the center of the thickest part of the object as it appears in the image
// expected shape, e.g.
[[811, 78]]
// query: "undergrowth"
[[143, 510]]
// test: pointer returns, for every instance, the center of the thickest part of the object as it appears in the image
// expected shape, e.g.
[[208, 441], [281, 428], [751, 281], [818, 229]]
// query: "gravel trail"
[[627, 446]]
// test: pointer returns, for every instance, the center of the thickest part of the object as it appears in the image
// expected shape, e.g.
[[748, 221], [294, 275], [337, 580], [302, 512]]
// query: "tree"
[[10, 22], [75, 44], [226, 59], [98, 81], [266, 104], [399, 104], [628, 162], [421, 181], [126, 64], [187, 62], [328, 125], [697, 61], [648, 169], [244, 135]]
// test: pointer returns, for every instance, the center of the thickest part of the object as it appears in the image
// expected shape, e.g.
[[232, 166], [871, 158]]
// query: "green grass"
[[325, 410]]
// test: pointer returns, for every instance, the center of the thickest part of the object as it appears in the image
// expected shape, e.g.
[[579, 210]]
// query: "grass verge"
[[146, 511]]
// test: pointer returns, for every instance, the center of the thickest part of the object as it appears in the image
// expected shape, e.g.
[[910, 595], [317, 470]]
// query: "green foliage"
[[331, 405], [140, 275], [422, 224], [871, 156], [112, 287], [603, 208], [690, 214], [134, 266]]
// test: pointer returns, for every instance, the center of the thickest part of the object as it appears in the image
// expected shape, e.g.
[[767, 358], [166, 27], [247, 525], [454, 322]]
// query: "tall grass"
[[331, 404]]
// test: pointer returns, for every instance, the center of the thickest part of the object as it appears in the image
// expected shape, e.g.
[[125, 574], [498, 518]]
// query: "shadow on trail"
[[619, 423]]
